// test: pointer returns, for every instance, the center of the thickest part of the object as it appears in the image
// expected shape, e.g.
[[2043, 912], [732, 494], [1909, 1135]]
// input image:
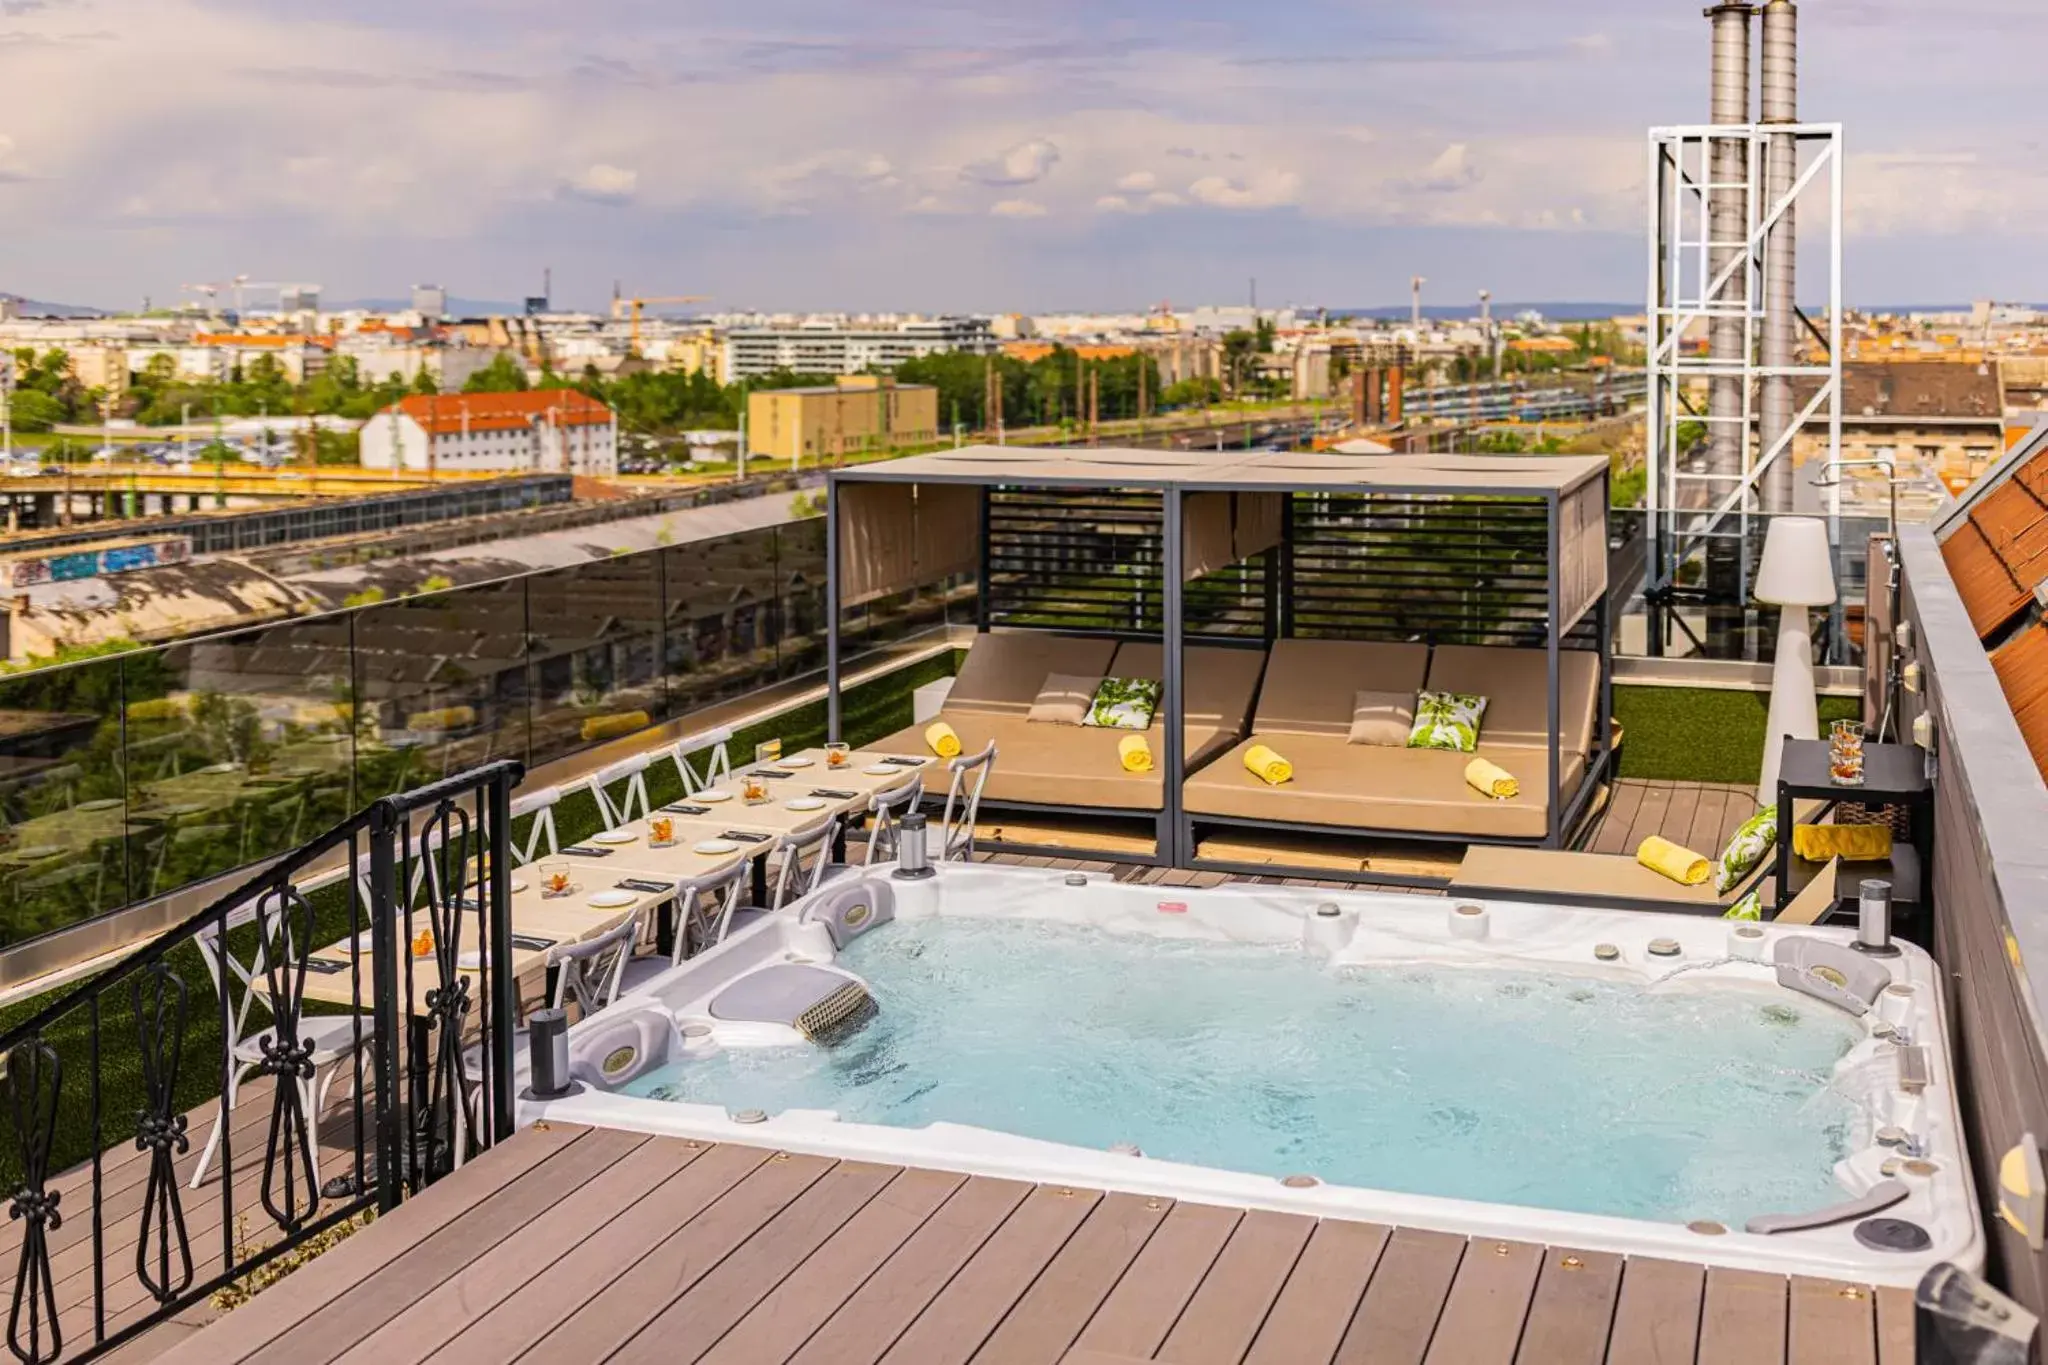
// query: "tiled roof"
[[1996, 547], [1901, 391], [457, 412]]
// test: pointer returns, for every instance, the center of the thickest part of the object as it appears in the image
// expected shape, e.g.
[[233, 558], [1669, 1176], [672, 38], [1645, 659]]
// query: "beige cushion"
[[1575, 876], [1382, 718], [1516, 684], [1217, 683], [1048, 765], [1005, 669], [1064, 699], [1360, 787], [1312, 686]]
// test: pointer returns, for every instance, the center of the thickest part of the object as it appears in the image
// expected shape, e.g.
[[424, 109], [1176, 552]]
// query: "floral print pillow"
[[1123, 704], [1757, 837], [1447, 720], [1750, 907]]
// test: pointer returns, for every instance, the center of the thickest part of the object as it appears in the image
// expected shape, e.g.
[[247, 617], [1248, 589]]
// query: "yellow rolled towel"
[[1675, 861], [1490, 779], [1135, 753], [1268, 766], [944, 742], [1850, 843]]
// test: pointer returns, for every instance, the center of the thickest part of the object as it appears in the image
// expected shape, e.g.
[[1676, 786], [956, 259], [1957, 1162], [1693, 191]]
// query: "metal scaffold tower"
[[1722, 416]]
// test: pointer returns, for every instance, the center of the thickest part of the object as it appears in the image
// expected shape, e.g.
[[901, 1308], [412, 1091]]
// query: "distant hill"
[[457, 307], [1458, 312], [36, 308]]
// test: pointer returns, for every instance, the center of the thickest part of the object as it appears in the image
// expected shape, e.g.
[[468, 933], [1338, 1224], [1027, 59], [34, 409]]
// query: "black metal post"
[[384, 1005], [832, 590], [982, 570], [504, 990], [1556, 815], [1173, 837]]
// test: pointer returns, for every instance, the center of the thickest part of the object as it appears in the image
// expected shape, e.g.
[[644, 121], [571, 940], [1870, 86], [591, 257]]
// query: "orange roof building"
[[538, 431]]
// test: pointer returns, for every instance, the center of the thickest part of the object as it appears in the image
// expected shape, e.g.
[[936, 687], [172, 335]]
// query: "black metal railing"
[[351, 1007]]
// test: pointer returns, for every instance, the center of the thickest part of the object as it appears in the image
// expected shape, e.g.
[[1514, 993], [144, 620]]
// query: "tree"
[[34, 410], [503, 375]]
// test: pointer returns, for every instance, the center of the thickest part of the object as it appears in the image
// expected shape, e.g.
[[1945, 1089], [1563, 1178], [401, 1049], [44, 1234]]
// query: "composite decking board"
[[1230, 1305], [276, 1313], [1488, 1303], [690, 1326], [1707, 823], [620, 1310], [1742, 1319], [1680, 811], [955, 1324], [1830, 1323], [774, 1328], [1649, 817], [1067, 1293], [1148, 1300], [1404, 1299], [883, 1308], [518, 1262], [1612, 835], [507, 1212], [1657, 1316], [1309, 1319], [520, 1320], [1573, 1312], [1896, 1344]]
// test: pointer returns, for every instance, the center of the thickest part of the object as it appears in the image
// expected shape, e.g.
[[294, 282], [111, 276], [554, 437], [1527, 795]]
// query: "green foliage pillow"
[[1750, 845], [1447, 720], [1749, 907], [1123, 704]]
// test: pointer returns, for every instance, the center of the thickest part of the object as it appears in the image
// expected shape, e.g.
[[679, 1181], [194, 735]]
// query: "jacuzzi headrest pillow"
[[615, 1050], [850, 908]]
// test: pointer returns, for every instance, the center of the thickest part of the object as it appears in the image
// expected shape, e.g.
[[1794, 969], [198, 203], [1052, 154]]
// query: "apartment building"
[[543, 431], [859, 413], [1940, 424], [839, 345]]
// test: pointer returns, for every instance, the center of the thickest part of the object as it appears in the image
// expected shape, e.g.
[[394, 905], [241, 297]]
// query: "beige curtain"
[[1205, 534], [897, 536], [1581, 550], [1258, 522]]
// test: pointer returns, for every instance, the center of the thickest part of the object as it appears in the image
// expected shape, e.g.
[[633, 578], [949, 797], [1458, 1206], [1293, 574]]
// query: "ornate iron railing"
[[341, 1022]]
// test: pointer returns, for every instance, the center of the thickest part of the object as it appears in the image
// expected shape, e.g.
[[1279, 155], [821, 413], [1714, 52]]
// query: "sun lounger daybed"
[[1305, 714], [1617, 881], [1047, 765]]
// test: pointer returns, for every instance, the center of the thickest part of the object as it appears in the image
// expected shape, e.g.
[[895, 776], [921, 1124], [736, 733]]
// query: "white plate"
[[883, 769], [711, 794], [796, 762], [804, 803], [517, 886], [711, 848], [361, 942], [614, 836], [473, 959], [607, 900]]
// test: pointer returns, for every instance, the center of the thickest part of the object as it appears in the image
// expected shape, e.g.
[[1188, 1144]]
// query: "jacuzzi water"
[[1638, 1083], [1499, 1086]]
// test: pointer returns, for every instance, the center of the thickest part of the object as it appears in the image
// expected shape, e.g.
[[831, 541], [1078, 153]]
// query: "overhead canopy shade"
[[1219, 529], [1581, 550]]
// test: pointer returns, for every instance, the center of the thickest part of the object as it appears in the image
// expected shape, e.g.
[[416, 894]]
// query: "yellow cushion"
[[1850, 843]]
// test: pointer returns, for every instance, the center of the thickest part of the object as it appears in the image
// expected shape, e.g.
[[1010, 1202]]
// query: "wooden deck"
[[582, 1245]]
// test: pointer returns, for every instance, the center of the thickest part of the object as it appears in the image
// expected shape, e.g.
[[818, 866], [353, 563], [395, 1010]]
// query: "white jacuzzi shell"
[[1373, 929]]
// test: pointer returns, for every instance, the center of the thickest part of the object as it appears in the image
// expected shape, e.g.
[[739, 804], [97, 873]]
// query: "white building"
[[842, 345], [549, 431]]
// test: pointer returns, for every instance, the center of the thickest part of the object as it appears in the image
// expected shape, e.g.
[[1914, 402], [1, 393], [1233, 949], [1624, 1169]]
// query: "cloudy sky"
[[970, 155]]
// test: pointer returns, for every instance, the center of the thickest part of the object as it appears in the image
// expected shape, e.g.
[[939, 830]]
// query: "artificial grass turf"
[[1698, 734]]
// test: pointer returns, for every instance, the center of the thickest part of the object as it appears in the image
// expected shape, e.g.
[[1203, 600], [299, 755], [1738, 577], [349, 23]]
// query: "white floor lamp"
[[1797, 574]]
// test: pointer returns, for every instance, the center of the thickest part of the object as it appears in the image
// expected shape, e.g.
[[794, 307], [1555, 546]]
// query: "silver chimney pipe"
[[1780, 342], [1728, 242]]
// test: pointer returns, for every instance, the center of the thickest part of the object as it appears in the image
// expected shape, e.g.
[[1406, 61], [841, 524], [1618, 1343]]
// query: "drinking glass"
[[554, 879]]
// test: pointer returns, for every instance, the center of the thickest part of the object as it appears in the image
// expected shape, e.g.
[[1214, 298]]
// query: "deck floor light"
[[1797, 575], [913, 854], [548, 1054]]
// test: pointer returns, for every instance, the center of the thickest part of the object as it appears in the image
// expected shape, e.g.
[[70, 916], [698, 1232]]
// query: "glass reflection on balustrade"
[[721, 637], [440, 685], [63, 798], [595, 653]]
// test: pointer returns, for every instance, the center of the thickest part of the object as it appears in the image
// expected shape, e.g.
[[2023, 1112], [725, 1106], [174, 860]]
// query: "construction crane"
[[621, 306]]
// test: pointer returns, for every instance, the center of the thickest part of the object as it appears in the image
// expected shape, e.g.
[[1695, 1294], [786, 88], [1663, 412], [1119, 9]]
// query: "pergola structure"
[[1434, 555]]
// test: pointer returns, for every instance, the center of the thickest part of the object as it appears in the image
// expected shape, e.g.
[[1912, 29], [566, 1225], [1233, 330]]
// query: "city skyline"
[[968, 158]]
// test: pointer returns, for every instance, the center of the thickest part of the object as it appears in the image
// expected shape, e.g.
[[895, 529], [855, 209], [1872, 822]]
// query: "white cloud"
[[1164, 199], [1017, 208], [602, 183], [1273, 190], [1023, 164], [1115, 203], [1138, 182]]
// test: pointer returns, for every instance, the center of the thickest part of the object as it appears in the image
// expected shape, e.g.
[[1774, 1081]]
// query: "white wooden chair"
[[541, 840], [633, 804], [886, 810], [963, 805], [788, 853], [717, 762], [334, 1038]]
